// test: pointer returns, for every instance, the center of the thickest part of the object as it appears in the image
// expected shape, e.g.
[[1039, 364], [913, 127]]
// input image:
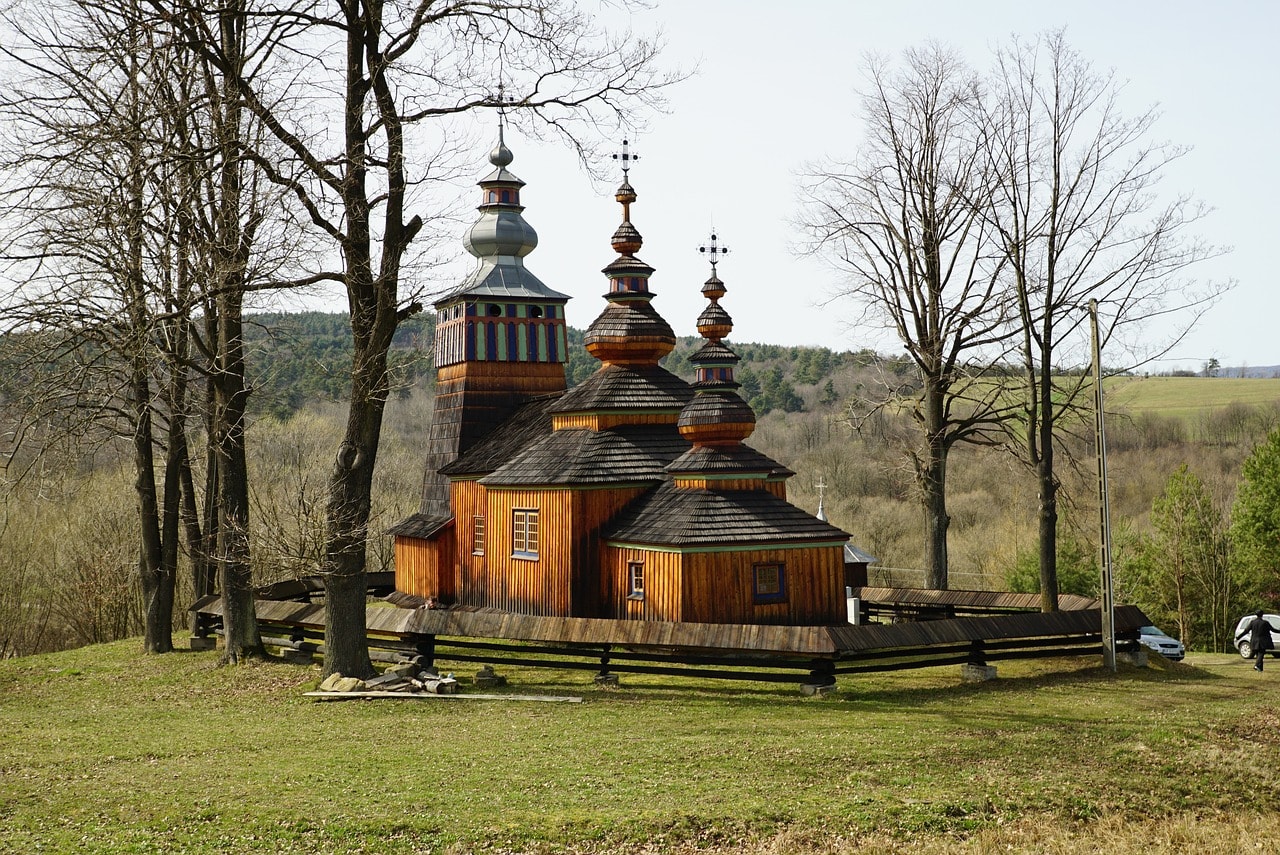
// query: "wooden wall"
[[594, 586], [662, 588], [529, 586], [424, 568], [718, 587], [470, 571]]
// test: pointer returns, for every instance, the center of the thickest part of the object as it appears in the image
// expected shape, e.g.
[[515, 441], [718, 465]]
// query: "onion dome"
[[501, 311], [501, 230], [716, 415], [629, 331]]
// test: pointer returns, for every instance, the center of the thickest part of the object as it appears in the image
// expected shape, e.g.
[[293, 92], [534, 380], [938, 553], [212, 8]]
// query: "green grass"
[[105, 750], [1186, 397]]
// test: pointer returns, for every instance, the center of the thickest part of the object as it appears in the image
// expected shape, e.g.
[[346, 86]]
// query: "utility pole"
[[1104, 510]]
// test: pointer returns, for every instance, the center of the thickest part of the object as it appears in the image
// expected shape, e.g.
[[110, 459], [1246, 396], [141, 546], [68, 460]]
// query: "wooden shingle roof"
[[423, 526], [720, 460], [638, 388], [671, 516], [580, 456], [525, 426]]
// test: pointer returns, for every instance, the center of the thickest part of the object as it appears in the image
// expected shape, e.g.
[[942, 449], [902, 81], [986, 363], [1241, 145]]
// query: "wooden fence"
[[1001, 630]]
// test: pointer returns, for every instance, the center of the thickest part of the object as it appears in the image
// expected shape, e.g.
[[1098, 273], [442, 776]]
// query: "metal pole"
[[1104, 510]]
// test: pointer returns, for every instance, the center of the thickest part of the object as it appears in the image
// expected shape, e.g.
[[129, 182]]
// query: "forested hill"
[[302, 357], [297, 358]]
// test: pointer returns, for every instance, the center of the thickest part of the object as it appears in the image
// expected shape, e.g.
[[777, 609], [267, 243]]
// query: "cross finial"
[[626, 156], [713, 250], [501, 100]]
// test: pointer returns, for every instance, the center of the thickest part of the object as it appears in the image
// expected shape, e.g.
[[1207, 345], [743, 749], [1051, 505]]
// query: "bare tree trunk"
[[375, 314], [350, 491], [932, 477], [157, 605], [157, 636], [240, 623]]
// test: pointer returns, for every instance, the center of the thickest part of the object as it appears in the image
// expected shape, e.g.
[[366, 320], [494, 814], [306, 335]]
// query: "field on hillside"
[[109, 751], [1187, 397]]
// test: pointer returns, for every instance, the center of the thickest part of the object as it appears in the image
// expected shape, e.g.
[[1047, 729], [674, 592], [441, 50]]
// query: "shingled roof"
[[639, 388], [695, 517], [422, 526], [625, 454], [526, 425], [719, 460]]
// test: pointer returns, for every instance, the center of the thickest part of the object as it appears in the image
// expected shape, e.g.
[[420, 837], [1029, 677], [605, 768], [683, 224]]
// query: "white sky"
[[777, 87]]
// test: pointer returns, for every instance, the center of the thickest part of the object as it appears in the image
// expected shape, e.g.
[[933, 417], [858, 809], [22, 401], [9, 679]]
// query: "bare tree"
[[900, 225], [133, 218], [381, 75], [95, 269], [1077, 216]]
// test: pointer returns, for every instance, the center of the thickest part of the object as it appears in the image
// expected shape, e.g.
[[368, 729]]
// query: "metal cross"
[[713, 250], [502, 100], [626, 157]]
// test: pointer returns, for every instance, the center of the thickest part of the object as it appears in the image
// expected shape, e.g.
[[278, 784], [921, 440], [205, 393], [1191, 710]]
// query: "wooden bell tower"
[[501, 338]]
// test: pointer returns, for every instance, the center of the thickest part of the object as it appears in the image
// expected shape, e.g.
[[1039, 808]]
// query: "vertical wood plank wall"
[[718, 587], [593, 584], [662, 584], [470, 576], [529, 586], [424, 568]]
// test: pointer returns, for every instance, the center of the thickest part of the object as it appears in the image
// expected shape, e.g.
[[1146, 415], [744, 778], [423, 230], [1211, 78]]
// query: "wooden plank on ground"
[[426, 696]]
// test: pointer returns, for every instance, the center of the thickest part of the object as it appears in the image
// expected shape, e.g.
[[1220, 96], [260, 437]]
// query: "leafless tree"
[[81, 174], [367, 131], [127, 188], [900, 225], [1077, 214]]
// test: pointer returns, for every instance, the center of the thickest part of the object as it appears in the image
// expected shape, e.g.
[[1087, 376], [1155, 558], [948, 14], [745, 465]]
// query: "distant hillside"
[[296, 358], [306, 356], [1188, 397]]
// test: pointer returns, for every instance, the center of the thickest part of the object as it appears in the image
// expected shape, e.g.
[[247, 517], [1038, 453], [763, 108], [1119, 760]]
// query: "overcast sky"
[[777, 88]]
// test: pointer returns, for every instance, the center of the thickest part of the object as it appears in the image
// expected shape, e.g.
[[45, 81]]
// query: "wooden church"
[[631, 496]]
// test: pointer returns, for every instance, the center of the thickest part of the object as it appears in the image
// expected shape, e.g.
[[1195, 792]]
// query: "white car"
[[1242, 629], [1154, 638]]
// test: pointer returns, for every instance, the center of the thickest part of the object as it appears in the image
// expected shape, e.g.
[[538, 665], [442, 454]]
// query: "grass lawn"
[[1187, 397], [106, 750]]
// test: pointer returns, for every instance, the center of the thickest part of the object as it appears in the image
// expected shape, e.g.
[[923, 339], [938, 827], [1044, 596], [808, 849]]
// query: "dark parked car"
[[1243, 645]]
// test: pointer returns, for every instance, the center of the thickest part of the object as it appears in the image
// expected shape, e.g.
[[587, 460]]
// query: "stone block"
[[817, 690], [402, 669], [487, 678], [1137, 658], [204, 642], [339, 683], [444, 686], [971, 673], [607, 681]]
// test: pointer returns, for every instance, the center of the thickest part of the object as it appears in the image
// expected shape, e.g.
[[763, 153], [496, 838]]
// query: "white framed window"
[[635, 580], [524, 532], [477, 535]]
